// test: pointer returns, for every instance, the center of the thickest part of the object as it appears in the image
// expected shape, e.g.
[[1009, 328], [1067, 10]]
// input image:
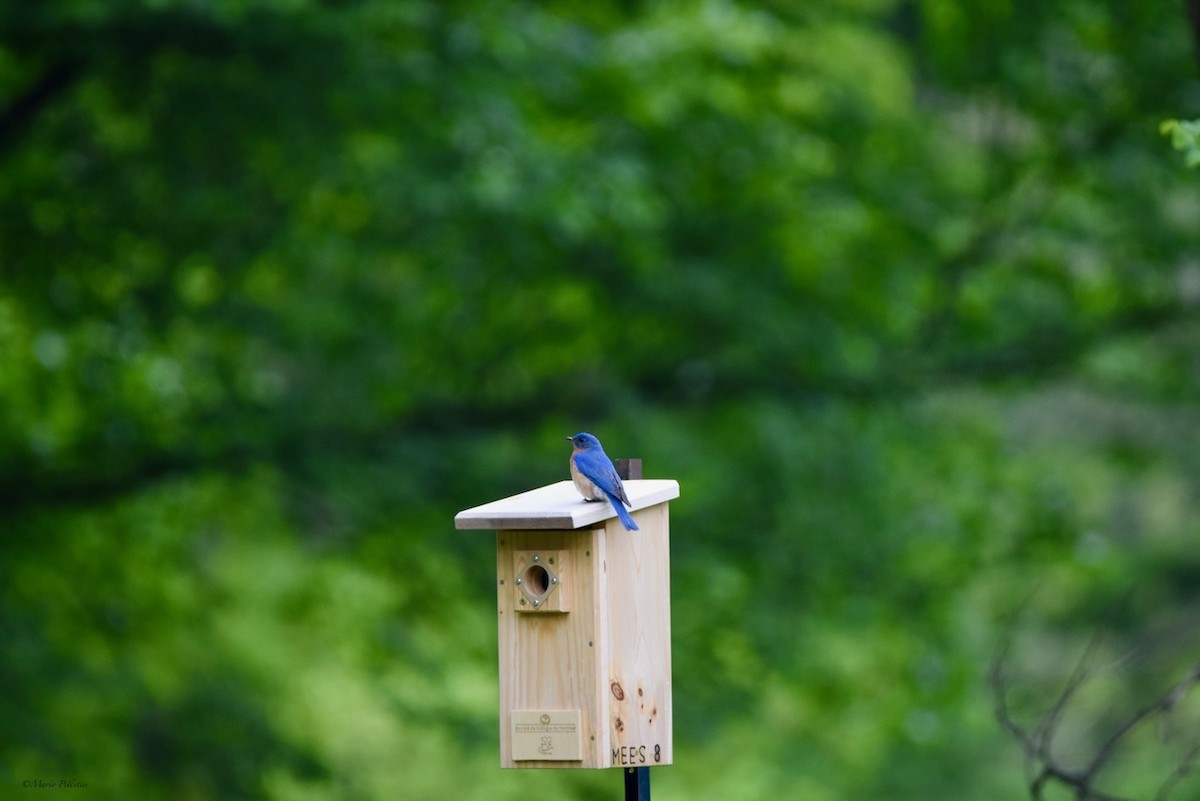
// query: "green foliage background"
[[903, 293]]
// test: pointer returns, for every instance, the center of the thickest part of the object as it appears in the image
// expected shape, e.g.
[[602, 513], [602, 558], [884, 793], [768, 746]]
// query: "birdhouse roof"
[[559, 506]]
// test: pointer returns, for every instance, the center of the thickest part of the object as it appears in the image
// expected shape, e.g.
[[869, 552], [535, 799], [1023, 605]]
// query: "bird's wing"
[[619, 490], [598, 468]]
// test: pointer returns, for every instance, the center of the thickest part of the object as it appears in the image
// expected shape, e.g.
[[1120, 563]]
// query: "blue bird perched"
[[596, 478]]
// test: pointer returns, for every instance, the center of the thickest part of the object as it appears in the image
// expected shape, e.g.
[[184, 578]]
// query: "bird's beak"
[[570, 440]]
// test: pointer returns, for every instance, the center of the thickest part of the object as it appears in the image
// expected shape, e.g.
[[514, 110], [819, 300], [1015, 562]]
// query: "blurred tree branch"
[[1044, 768], [129, 41], [292, 437], [20, 112], [1193, 13]]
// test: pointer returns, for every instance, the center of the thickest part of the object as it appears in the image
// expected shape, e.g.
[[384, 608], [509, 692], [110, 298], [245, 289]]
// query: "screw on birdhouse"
[[537, 603], [537, 558], [518, 581], [554, 580]]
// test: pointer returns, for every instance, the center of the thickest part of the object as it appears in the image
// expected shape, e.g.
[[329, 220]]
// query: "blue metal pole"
[[637, 784]]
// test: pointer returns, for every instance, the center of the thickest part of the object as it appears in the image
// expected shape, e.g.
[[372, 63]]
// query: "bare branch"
[[16, 117], [1186, 765], [1160, 706], [1049, 723], [1043, 770]]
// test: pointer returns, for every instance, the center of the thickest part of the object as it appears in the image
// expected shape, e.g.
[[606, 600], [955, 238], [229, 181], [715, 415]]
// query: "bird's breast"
[[584, 484]]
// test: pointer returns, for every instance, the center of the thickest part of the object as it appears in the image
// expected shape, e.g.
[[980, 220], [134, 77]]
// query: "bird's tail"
[[626, 519]]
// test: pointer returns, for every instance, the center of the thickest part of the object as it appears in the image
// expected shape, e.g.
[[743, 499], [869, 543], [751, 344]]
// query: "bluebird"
[[596, 478]]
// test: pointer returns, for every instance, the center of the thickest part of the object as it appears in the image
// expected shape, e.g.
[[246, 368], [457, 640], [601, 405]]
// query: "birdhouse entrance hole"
[[537, 580], [538, 575]]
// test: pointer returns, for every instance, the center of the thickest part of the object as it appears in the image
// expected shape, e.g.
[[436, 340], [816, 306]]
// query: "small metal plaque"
[[549, 735]]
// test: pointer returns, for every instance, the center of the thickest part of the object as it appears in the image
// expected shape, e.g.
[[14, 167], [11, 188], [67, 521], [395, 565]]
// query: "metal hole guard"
[[538, 579]]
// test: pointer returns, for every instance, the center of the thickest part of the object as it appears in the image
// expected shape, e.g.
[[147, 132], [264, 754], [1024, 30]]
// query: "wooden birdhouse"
[[584, 627]]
